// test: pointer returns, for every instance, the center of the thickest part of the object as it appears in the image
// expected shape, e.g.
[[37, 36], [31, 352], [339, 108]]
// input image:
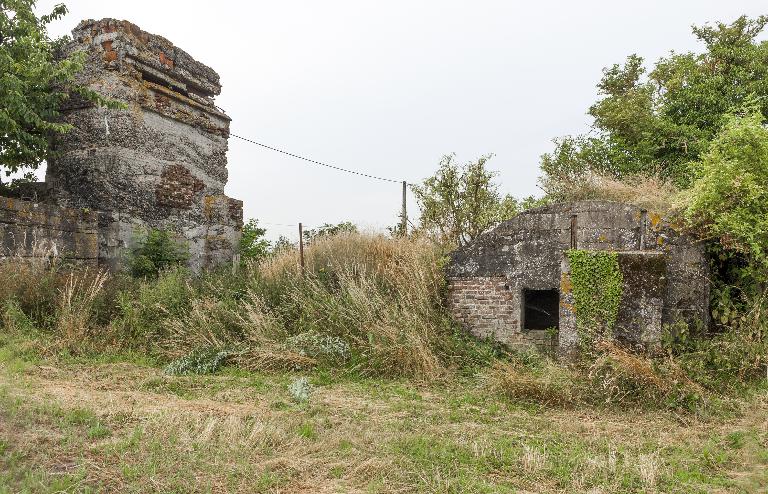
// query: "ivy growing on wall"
[[597, 289]]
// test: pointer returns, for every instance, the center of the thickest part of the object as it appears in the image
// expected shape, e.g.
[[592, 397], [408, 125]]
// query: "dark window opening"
[[541, 309]]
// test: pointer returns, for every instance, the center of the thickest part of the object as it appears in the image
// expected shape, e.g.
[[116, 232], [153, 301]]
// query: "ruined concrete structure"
[[513, 284], [35, 230], [158, 163]]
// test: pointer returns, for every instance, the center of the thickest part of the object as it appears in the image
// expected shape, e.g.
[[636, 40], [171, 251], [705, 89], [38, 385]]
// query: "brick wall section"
[[483, 305], [35, 230], [489, 308], [178, 188]]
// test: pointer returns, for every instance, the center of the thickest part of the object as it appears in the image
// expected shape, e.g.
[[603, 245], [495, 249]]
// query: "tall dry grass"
[[648, 192], [605, 374], [379, 297], [75, 311], [366, 304], [58, 304]]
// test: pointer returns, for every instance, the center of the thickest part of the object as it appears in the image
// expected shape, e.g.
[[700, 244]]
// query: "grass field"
[[89, 426], [402, 399]]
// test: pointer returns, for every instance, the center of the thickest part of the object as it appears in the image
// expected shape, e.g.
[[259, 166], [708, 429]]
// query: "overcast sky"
[[389, 87]]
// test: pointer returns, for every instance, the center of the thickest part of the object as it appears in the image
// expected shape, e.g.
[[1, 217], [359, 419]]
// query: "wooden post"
[[301, 248], [404, 214]]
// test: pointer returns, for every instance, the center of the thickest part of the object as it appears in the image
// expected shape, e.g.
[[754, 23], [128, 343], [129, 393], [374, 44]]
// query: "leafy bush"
[[156, 251], [15, 321], [198, 362], [143, 307], [34, 287], [253, 246], [729, 201], [729, 198]]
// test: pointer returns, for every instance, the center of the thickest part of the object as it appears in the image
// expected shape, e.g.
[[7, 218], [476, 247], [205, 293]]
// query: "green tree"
[[282, 244], [33, 84], [729, 196], [658, 122], [728, 202], [253, 245], [460, 202]]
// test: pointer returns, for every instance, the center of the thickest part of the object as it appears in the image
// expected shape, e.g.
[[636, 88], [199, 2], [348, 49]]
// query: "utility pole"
[[301, 248], [404, 214]]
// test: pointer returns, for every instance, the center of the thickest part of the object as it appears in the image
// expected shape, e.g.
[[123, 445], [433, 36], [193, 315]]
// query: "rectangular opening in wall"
[[541, 309]]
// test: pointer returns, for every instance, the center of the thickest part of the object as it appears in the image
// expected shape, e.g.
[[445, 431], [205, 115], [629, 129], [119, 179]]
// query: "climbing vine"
[[597, 288]]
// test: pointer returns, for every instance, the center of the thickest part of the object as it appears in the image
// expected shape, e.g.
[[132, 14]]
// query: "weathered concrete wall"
[[526, 252], [37, 230], [640, 319], [160, 163]]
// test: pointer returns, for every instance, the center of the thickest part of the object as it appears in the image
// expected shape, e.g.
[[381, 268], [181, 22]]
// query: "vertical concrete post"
[[574, 227]]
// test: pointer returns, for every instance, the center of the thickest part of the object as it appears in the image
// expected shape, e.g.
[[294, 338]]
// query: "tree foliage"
[[460, 202], [728, 204], [328, 230], [729, 197], [34, 82], [658, 122]]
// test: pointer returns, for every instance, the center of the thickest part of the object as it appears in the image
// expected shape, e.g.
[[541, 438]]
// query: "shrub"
[[253, 245], [156, 252], [34, 287], [725, 361], [15, 321], [205, 361], [300, 389]]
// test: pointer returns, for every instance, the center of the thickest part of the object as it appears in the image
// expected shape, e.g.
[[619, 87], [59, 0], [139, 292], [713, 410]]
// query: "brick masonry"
[[488, 307], [178, 188]]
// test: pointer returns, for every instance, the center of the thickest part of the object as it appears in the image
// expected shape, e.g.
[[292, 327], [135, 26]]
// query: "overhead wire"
[[315, 162], [319, 163]]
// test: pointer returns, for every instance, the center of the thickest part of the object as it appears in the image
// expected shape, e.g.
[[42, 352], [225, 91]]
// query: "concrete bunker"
[[514, 284]]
